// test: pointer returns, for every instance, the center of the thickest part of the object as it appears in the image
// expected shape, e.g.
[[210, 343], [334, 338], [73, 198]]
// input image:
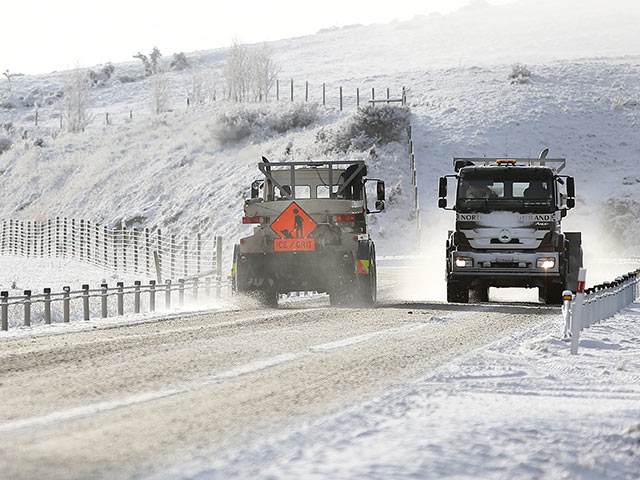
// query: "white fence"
[[120, 250], [597, 303]]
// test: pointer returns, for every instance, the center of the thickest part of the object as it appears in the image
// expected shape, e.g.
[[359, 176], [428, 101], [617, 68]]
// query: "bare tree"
[[151, 64], [76, 100], [159, 100], [250, 74], [264, 72], [236, 72], [8, 76]]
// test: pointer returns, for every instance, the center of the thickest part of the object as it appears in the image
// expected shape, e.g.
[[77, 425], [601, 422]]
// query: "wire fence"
[[128, 251], [329, 95]]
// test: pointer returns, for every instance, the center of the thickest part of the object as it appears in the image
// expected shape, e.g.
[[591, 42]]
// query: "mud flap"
[[574, 259]]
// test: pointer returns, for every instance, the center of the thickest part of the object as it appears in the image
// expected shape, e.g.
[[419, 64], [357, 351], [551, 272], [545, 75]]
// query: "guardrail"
[[592, 305], [414, 184], [145, 298]]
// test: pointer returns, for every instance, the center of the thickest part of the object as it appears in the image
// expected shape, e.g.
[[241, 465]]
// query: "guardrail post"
[[567, 296], [207, 287], [4, 310], [85, 301], [65, 304], [103, 299], [152, 295], [27, 308], [181, 292], [576, 321], [167, 295], [47, 306], [136, 296], [120, 296]]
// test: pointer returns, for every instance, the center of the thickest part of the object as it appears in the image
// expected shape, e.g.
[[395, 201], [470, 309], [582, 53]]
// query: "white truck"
[[508, 228]]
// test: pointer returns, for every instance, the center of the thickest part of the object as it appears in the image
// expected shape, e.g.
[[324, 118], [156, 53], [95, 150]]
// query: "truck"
[[310, 233], [508, 228]]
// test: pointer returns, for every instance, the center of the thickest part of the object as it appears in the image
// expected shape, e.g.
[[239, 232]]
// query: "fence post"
[[576, 322], [152, 295], [324, 88], [103, 298], [185, 259], [47, 306], [167, 295], [136, 296], [27, 308], [199, 253], [373, 93], [340, 98], [218, 266], [358, 97], [306, 91], [292, 89], [85, 301], [4, 310], [278, 90], [181, 292], [172, 254], [65, 304], [120, 296], [195, 289]]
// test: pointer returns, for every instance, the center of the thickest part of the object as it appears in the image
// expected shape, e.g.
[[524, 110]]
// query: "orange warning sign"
[[293, 223], [294, 244]]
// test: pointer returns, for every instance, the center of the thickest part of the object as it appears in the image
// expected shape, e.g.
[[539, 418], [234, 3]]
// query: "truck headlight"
[[546, 263], [463, 262]]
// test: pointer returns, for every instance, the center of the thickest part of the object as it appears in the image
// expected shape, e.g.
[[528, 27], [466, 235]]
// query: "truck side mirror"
[[442, 187], [571, 202], [380, 205], [255, 189], [380, 192], [571, 187], [442, 203]]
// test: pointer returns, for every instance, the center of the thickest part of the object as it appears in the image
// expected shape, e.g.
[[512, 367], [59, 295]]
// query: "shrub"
[[369, 126], [179, 62], [5, 144], [242, 121], [520, 74]]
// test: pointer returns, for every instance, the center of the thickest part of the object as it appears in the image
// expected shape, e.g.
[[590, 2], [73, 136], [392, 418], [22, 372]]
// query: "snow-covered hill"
[[174, 171]]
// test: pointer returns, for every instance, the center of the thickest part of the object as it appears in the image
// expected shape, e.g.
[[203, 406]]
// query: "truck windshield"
[[511, 190]]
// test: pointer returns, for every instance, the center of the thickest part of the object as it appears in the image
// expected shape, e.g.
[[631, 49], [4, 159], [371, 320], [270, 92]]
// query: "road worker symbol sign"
[[294, 226]]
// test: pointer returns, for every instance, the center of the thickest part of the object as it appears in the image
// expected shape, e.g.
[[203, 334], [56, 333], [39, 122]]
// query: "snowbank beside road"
[[522, 407]]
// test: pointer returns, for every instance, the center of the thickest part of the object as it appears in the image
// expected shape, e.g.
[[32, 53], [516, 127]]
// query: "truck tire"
[[551, 295], [480, 293], [574, 258], [367, 284], [457, 292], [268, 298]]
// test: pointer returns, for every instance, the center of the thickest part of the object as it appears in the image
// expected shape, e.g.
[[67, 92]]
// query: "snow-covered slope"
[[172, 171]]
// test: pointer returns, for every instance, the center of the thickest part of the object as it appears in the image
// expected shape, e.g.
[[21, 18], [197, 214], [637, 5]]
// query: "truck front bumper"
[[505, 269]]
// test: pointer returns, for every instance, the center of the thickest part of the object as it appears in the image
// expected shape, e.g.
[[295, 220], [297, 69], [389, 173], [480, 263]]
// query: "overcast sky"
[[39, 36]]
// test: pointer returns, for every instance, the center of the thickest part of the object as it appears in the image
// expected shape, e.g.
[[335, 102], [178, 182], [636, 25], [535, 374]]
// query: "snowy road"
[[145, 399]]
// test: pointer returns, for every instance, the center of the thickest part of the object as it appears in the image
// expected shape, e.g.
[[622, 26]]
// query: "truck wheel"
[[268, 298], [481, 293], [457, 292], [367, 284], [551, 295], [234, 269]]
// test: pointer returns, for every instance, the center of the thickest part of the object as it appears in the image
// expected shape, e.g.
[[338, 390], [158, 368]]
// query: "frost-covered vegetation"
[[520, 74], [259, 121], [368, 126]]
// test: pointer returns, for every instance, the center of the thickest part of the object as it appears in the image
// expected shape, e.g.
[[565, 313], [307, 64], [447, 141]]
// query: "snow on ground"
[[521, 407]]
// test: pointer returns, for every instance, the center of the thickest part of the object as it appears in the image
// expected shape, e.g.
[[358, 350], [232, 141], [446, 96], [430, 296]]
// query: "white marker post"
[[576, 323]]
